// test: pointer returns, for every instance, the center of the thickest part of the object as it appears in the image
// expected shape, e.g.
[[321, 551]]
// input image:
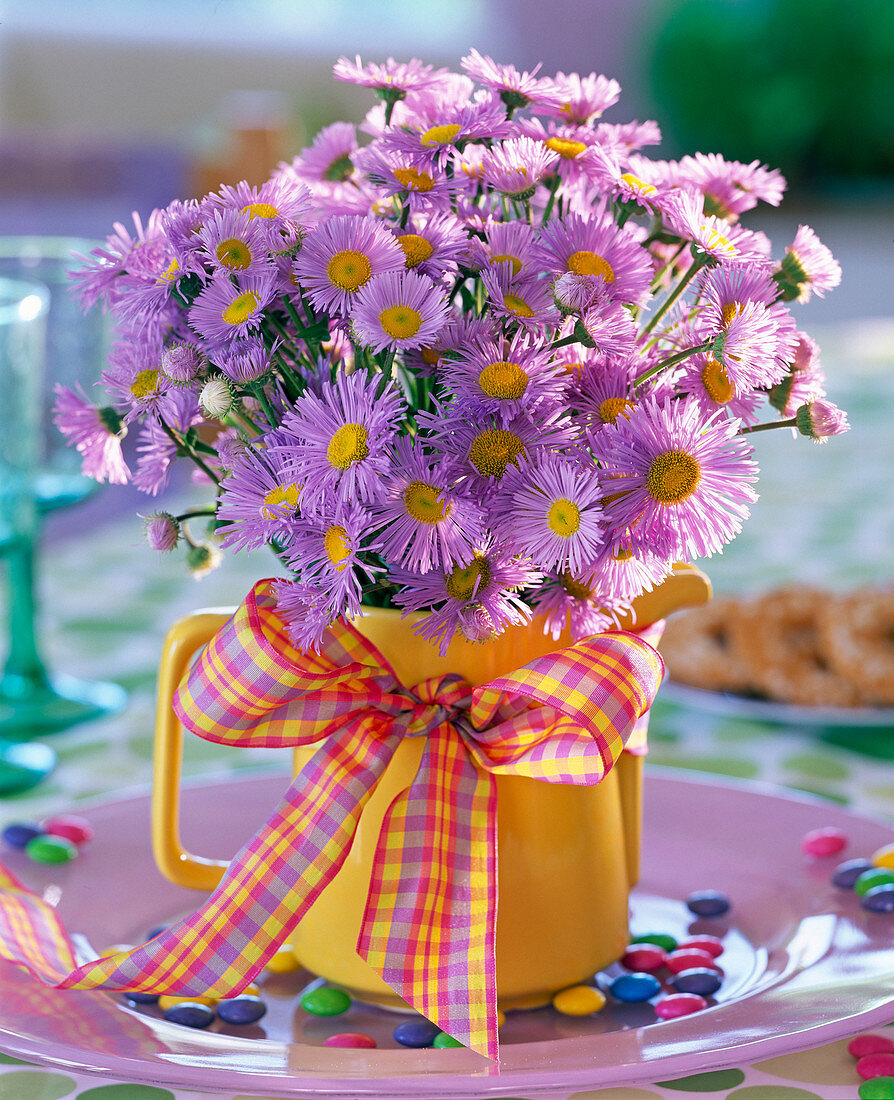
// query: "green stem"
[[672, 361], [553, 190], [564, 342], [262, 397], [197, 513], [792, 423], [694, 267], [190, 452]]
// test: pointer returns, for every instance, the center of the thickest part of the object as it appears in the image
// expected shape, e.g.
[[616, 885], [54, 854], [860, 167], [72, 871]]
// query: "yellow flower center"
[[729, 311], [517, 305], [431, 356], [400, 322], [591, 263], [719, 243], [716, 382], [673, 476], [504, 380], [423, 503], [637, 184], [440, 135], [241, 308], [466, 581], [145, 384], [276, 498], [575, 588], [504, 257], [170, 273], [335, 543], [563, 517], [348, 270], [416, 248], [260, 210], [493, 449], [613, 407], [413, 179], [565, 147], [622, 554], [349, 444], [234, 254]]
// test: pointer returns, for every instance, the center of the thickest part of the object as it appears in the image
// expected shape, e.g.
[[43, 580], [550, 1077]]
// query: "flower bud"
[[202, 559], [819, 419], [216, 397], [183, 362], [162, 531]]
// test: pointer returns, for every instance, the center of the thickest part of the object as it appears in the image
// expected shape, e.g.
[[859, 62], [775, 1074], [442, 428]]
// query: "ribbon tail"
[[268, 887], [429, 927]]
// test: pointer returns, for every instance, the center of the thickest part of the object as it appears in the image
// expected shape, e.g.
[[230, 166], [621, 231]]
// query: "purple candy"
[[245, 1009], [847, 873], [699, 980], [18, 833], [707, 903], [416, 1033], [880, 899]]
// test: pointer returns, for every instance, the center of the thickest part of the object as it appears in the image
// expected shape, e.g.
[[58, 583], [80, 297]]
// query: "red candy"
[[711, 944], [689, 959], [350, 1039], [862, 1045], [824, 842], [679, 1004], [76, 829], [644, 957], [876, 1065]]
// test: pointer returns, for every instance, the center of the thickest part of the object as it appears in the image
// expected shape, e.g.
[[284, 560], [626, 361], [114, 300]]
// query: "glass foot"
[[23, 766], [28, 709]]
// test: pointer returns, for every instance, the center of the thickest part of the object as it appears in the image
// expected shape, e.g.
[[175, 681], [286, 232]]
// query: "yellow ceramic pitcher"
[[568, 855]]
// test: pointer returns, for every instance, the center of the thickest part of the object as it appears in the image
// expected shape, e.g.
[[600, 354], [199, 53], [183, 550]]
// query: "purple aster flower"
[[513, 242], [477, 598], [96, 433], [231, 449], [340, 256], [730, 187], [156, 450], [516, 89], [505, 377], [753, 349], [229, 309], [621, 139], [582, 98], [97, 278], [804, 381], [527, 302], [565, 603], [308, 610], [724, 289], [245, 361], [597, 247], [576, 148], [259, 500], [427, 518], [433, 244], [393, 78], [328, 157], [820, 418], [514, 167], [397, 310], [603, 323], [445, 122], [133, 377], [325, 553], [181, 222], [235, 242], [550, 510], [808, 266], [712, 237], [393, 172], [602, 390], [336, 444], [623, 569], [706, 379], [682, 484], [282, 205]]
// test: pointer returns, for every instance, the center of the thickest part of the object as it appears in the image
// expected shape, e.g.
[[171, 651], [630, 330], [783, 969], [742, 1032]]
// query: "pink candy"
[[644, 957], [824, 842], [876, 1065], [688, 959], [862, 1045], [680, 1004], [350, 1039], [76, 829]]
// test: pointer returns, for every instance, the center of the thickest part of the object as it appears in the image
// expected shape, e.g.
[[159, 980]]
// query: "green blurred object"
[[806, 86]]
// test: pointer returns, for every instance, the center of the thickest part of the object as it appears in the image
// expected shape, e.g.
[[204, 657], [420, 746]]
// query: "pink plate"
[[804, 963]]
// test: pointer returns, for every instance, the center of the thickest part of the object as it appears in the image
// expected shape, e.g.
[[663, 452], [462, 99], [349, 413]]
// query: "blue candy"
[[142, 998], [19, 833], [245, 1009], [707, 903], [847, 873], [699, 980], [635, 988], [880, 899], [416, 1033], [190, 1014]]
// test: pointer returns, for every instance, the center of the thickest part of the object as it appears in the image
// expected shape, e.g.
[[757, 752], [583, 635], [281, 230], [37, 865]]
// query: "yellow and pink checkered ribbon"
[[430, 918]]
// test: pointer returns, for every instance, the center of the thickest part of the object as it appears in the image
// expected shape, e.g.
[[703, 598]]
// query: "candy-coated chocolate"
[[876, 1065], [634, 988], [659, 939], [711, 944], [142, 998], [878, 876], [416, 1033], [698, 980], [847, 873], [190, 1014], [50, 849], [689, 958], [825, 842], [861, 1045], [884, 856], [679, 1004], [18, 833], [283, 961], [880, 899], [244, 1009], [442, 1039], [707, 903], [170, 1000], [877, 1088], [579, 1000], [74, 828], [644, 957], [353, 1039], [326, 1001]]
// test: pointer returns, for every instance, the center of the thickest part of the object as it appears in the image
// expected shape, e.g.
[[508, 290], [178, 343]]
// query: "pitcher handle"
[[182, 641]]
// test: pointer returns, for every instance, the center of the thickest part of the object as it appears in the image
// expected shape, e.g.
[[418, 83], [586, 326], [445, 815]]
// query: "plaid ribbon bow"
[[430, 918]]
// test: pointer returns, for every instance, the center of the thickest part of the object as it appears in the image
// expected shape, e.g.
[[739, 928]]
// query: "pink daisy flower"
[[235, 242], [397, 310], [340, 256], [328, 157], [512, 242], [724, 289], [582, 98], [259, 500], [526, 302], [623, 570], [602, 390], [392, 172], [232, 308], [805, 380], [808, 266], [516, 89], [336, 444], [712, 237], [564, 602], [589, 246], [574, 146], [706, 379], [622, 139], [730, 187], [428, 520], [753, 348], [550, 510], [392, 77], [96, 434], [681, 484], [515, 167]]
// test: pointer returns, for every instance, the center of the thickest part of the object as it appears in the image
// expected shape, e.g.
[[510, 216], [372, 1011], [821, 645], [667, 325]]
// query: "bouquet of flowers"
[[479, 357]]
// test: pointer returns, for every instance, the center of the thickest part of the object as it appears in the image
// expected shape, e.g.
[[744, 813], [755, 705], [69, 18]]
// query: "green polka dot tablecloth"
[[826, 516]]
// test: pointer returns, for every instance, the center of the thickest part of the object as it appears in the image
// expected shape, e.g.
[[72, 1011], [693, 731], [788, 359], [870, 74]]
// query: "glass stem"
[[23, 663]]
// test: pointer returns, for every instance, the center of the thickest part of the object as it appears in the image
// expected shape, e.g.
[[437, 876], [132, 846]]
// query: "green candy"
[[442, 1039], [50, 849], [878, 876], [660, 939], [326, 1001], [877, 1088]]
